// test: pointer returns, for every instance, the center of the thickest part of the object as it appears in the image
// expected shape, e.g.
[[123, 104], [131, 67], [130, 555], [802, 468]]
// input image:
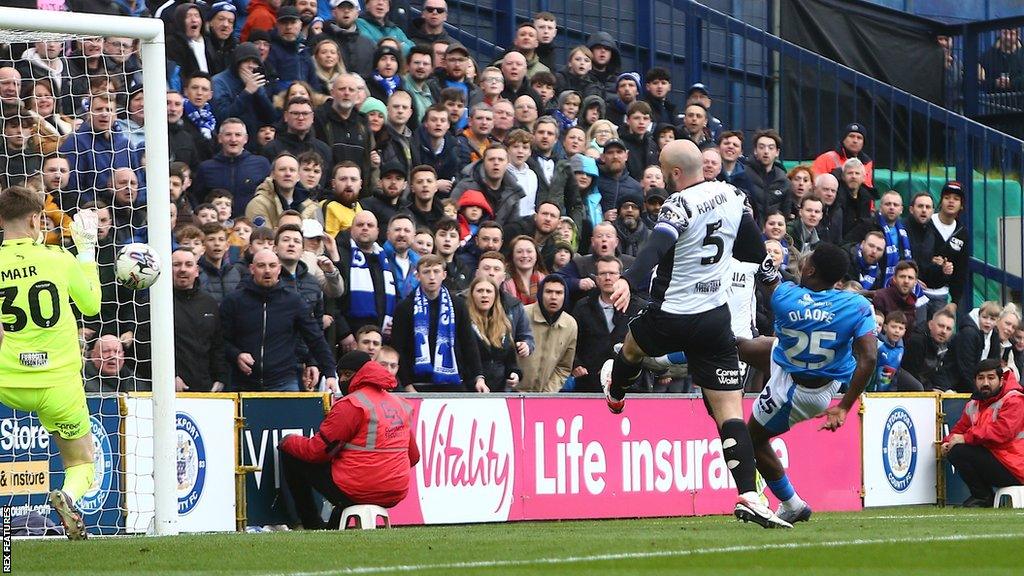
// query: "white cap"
[[336, 3], [312, 228]]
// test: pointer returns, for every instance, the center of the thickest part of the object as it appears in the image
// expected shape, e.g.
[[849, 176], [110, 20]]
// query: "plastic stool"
[[365, 516], [1014, 493]]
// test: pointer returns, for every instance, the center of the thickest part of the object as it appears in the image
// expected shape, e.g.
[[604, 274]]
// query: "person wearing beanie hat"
[[607, 62], [653, 200], [387, 72], [851, 145], [372, 104], [221, 36], [630, 228], [698, 94], [349, 460], [628, 89], [375, 25]]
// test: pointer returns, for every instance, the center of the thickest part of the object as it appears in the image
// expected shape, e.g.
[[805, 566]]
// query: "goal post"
[[26, 25]]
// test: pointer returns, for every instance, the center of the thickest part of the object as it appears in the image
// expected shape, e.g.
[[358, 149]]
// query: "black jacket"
[[766, 190], [446, 164], [403, 339], [198, 342], [594, 341], [286, 141], [960, 362], [268, 323], [348, 138], [921, 357], [609, 75], [498, 363], [562, 189], [957, 250], [643, 152], [356, 50]]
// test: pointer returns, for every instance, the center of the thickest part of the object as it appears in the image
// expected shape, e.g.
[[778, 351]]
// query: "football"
[[137, 266]]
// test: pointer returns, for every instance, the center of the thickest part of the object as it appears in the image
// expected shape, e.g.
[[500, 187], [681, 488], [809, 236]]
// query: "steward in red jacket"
[[362, 453], [987, 445]]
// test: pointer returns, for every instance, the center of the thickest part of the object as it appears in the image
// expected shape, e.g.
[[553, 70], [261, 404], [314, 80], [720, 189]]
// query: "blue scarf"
[[388, 84], [362, 296], [202, 117], [897, 245], [564, 123], [441, 366], [868, 273]]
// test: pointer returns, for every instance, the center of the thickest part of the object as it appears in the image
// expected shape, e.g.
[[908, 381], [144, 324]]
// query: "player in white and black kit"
[[701, 227]]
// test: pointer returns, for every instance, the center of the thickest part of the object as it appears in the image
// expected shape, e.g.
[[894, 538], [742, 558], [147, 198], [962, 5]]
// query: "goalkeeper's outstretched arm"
[[84, 278]]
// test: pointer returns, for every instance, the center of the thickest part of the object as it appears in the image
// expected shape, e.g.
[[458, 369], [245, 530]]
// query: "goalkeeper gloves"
[[84, 232], [767, 273]]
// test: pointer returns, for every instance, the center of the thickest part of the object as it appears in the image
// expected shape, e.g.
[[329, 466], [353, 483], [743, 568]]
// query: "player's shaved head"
[[682, 164], [18, 202], [830, 263]]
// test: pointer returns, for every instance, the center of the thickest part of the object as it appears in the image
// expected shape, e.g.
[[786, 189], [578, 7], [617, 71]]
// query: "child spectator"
[[544, 84], [563, 255], [311, 170], [450, 209], [198, 93], [569, 103], [423, 241], [890, 353], [222, 200], [205, 213], [238, 237], [576, 74], [189, 236], [473, 207]]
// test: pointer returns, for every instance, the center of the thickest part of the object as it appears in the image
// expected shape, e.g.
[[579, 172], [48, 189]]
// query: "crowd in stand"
[[346, 182]]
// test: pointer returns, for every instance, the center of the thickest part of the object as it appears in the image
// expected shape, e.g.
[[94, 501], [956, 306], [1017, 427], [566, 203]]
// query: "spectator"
[[763, 178], [851, 146], [424, 205], [698, 94], [127, 215], [926, 346], [730, 145], [341, 207], [375, 25], [615, 179], [491, 84], [801, 179], [473, 210], [595, 203], [576, 75], [387, 72], [607, 62], [632, 233], [320, 252], [1001, 67], [327, 62], [888, 377], [296, 275], [476, 138], [433, 145], [711, 164], [493, 332], [288, 53], [857, 200], [628, 89], [221, 38], [187, 46], [434, 336], [826, 187], [527, 269], [972, 343], [356, 50], [601, 326], [262, 16], [695, 124], [399, 254], [580, 273], [281, 191], [804, 230], [346, 461], [418, 67], [95, 150], [555, 332], [429, 27], [262, 348], [921, 234], [45, 64], [547, 28], [525, 112], [105, 371], [516, 78], [453, 75], [492, 266], [297, 136], [641, 148], [985, 446], [234, 168], [491, 177], [953, 242], [186, 143], [241, 90], [366, 271], [199, 364], [504, 119], [653, 201], [526, 43], [488, 238], [446, 241], [899, 295], [17, 158], [217, 276], [540, 228], [340, 126], [897, 243], [386, 200]]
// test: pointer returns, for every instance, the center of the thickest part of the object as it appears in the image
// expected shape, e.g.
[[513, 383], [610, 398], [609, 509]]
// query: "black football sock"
[[624, 375], [738, 450]]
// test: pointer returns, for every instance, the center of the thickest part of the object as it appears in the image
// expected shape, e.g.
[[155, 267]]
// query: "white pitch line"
[[920, 516], [644, 555]]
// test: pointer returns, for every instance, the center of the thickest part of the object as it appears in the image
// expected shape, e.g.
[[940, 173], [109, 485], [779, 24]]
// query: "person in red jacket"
[[362, 453], [987, 444]]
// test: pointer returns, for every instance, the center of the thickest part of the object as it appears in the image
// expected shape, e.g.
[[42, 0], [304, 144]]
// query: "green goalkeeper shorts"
[[61, 409]]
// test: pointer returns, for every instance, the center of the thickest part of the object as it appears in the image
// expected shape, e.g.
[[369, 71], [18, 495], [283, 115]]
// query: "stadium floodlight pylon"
[[26, 25]]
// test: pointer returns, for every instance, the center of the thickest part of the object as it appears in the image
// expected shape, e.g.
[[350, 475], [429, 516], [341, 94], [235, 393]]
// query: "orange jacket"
[[997, 423]]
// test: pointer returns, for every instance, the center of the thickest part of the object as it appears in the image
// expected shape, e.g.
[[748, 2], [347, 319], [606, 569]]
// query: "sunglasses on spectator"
[[435, 9]]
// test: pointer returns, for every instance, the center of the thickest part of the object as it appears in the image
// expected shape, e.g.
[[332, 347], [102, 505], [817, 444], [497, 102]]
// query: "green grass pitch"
[[898, 541]]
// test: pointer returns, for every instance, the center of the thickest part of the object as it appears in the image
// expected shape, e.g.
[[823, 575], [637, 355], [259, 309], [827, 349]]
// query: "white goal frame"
[[151, 34]]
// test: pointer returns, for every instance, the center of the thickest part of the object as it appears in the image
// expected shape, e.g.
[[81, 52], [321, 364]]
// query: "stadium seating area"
[[361, 144]]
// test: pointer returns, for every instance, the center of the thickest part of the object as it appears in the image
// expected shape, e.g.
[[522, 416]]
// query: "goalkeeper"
[[40, 358]]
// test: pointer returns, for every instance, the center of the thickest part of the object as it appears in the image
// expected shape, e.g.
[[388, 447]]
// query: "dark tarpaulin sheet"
[[890, 46]]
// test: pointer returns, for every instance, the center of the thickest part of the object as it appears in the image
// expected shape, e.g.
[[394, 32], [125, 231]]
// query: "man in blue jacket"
[[235, 169], [262, 323], [96, 150], [288, 54], [242, 91]]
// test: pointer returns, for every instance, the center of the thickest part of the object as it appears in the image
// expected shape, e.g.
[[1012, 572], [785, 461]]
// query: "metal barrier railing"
[[751, 74]]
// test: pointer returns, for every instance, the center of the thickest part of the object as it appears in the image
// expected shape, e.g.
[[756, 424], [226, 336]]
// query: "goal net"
[[83, 114]]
